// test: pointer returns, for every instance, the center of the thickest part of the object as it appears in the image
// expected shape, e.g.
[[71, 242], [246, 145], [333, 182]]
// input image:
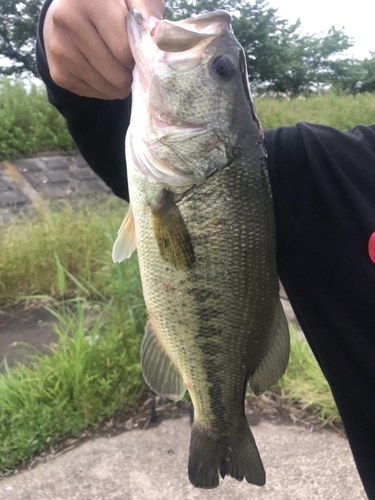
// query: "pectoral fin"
[[171, 234], [274, 363], [159, 372], [125, 243]]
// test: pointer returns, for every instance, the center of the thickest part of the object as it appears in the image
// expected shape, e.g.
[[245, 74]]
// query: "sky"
[[356, 18]]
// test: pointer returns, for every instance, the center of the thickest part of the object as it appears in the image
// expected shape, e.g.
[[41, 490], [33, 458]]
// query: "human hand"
[[87, 46]]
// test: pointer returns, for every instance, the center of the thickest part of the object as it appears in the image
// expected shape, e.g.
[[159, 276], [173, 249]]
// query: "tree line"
[[280, 59]]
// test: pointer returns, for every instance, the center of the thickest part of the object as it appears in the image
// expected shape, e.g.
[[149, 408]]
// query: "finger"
[[63, 68], [102, 59], [111, 26], [82, 88], [107, 75], [94, 82]]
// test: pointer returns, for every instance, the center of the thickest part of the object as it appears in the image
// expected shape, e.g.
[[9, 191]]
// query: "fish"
[[201, 219]]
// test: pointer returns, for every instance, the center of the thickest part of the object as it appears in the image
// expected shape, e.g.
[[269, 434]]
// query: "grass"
[[29, 124], [94, 369], [304, 384], [339, 111], [76, 235]]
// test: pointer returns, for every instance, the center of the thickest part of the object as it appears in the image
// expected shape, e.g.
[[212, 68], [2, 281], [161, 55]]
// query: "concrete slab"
[[152, 465], [27, 183]]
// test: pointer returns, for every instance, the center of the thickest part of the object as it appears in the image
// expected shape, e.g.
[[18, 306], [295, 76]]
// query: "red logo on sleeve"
[[371, 247]]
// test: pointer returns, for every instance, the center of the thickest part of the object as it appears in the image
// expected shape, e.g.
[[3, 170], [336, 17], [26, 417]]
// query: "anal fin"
[[274, 363], [159, 372]]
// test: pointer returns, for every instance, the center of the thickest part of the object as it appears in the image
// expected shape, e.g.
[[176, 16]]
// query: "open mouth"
[[181, 35]]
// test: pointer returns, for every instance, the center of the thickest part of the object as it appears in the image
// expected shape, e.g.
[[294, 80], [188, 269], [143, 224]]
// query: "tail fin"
[[236, 456]]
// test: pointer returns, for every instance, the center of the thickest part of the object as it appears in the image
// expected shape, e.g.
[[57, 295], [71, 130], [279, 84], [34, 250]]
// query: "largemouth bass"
[[201, 218]]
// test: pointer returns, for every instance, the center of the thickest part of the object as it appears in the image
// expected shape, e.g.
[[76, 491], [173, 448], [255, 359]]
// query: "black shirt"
[[323, 185]]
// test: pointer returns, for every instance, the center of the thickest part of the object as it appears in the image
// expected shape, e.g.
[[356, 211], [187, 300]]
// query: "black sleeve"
[[98, 127], [323, 184]]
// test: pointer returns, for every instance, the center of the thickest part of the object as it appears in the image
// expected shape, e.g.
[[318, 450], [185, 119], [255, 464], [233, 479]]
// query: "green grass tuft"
[[77, 236], [304, 383], [63, 257]]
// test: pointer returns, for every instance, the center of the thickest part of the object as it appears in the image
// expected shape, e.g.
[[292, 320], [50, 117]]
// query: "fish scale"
[[203, 227]]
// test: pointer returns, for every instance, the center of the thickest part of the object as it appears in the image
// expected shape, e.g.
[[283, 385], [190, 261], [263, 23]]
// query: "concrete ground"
[[152, 465]]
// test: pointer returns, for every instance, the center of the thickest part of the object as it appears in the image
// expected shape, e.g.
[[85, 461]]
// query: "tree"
[[263, 35], [347, 75], [308, 63], [18, 25], [279, 58], [354, 76]]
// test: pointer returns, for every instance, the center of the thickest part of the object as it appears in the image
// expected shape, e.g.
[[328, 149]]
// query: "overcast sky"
[[357, 18]]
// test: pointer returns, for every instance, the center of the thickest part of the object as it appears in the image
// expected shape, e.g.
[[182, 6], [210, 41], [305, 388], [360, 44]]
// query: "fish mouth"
[[176, 36], [180, 45], [137, 28]]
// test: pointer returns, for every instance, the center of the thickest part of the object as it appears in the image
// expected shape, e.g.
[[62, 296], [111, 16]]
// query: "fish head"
[[191, 98]]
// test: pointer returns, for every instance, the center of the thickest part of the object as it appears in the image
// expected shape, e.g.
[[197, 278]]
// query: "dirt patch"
[[24, 330]]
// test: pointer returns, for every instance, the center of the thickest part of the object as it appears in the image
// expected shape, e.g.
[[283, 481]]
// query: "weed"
[[29, 124]]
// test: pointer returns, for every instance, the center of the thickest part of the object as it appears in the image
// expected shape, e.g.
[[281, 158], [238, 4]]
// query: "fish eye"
[[223, 66]]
